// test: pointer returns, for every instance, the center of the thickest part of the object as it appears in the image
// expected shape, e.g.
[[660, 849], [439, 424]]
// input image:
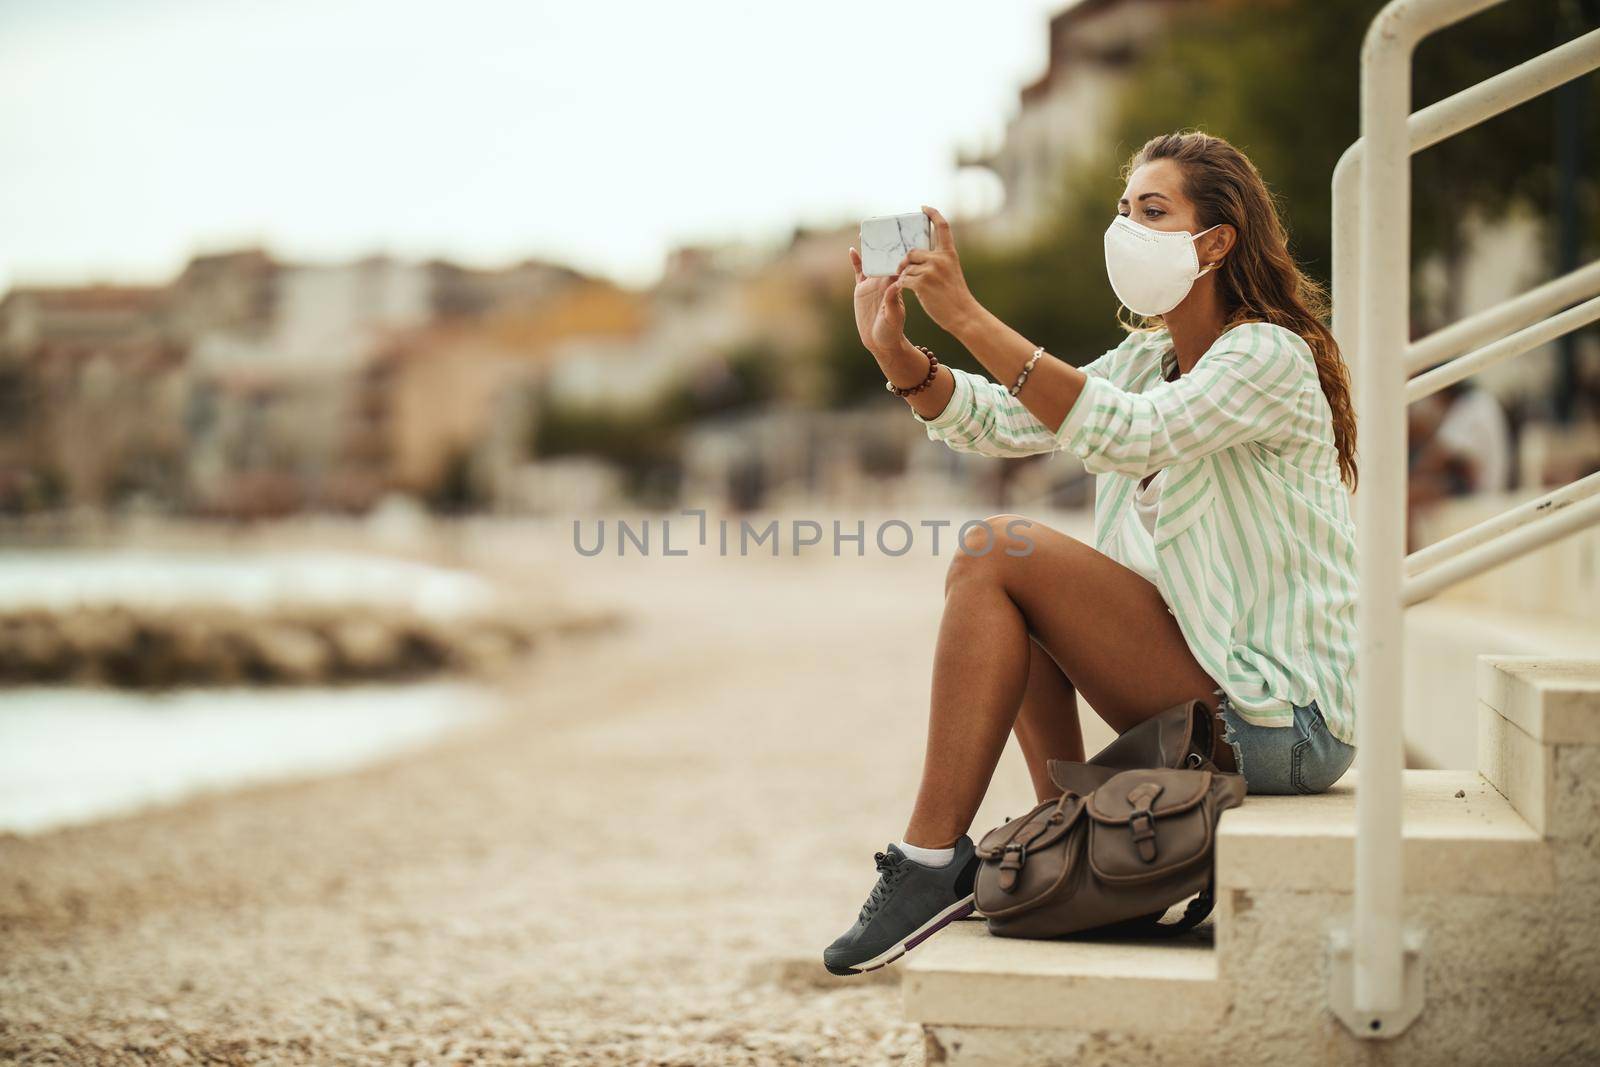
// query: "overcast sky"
[[135, 132]]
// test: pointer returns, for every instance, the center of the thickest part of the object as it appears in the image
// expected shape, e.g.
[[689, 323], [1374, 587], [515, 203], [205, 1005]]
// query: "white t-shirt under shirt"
[[1140, 534]]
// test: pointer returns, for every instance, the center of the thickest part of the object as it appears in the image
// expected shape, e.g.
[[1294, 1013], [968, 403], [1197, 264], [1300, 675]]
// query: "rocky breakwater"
[[272, 634]]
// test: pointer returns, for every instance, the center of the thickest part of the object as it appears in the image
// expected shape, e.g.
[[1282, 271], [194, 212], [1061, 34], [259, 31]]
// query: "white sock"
[[928, 857]]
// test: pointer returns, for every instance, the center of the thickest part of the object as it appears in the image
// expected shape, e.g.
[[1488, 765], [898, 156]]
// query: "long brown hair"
[[1259, 279]]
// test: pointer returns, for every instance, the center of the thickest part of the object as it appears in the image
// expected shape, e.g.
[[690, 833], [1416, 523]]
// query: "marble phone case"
[[885, 240]]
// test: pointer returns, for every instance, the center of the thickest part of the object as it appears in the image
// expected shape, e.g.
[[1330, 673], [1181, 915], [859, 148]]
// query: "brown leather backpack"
[[1132, 833]]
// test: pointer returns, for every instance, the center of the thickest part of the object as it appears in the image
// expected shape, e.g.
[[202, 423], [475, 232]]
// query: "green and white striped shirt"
[[1254, 546]]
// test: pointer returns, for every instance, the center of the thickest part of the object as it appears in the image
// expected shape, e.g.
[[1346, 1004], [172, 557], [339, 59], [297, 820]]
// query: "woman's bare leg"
[[1047, 725], [1104, 625]]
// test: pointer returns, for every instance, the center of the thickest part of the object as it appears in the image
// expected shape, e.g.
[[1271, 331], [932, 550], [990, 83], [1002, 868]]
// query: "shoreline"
[[638, 863]]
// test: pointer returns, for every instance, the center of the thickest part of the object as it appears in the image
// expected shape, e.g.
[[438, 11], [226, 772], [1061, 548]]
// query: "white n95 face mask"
[[1151, 271]]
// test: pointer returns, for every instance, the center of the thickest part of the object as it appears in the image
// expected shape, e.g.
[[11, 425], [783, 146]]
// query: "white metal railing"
[[1524, 340], [1499, 320], [1376, 973]]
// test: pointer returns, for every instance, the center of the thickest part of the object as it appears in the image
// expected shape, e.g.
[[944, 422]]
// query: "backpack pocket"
[[1029, 860], [1148, 824]]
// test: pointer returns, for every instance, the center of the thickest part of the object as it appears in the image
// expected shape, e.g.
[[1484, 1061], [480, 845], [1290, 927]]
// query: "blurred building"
[[699, 309], [250, 386], [90, 395], [1064, 115], [459, 292], [274, 395], [232, 292], [812, 271], [454, 401]]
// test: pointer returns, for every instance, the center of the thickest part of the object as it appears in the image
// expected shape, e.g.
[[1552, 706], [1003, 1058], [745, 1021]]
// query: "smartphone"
[[886, 239]]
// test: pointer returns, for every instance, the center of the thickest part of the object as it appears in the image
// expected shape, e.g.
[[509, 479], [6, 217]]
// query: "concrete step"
[[1501, 873], [1444, 641], [1539, 720], [965, 977], [1474, 843], [1461, 836]]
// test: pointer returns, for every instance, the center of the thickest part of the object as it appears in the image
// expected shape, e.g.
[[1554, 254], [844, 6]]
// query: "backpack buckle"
[[1142, 822], [1143, 826], [1012, 857]]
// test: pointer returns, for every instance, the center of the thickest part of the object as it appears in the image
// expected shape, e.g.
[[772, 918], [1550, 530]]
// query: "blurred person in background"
[[1223, 568], [1458, 444]]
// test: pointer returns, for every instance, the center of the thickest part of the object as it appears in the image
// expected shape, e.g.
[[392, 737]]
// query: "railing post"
[[1346, 232], [1375, 974], [1382, 336], [1368, 986]]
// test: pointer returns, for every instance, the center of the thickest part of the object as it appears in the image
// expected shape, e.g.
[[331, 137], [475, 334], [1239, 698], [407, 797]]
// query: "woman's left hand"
[[935, 276]]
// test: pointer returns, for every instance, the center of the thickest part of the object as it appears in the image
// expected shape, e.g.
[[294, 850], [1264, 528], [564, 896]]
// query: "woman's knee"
[[987, 549]]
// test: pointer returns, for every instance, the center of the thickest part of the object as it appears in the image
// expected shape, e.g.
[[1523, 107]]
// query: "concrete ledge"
[[1476, 843], [965, 977], [1554, 701], [1518, 766], [1444, 640], [993, 1046]]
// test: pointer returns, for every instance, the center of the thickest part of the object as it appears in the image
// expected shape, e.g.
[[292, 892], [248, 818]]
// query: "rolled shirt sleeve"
[[984, 418], [1246, 389]]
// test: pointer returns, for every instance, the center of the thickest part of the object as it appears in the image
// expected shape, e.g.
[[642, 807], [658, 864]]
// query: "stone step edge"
[[1554, 700], [965, 977], [1461, 837]]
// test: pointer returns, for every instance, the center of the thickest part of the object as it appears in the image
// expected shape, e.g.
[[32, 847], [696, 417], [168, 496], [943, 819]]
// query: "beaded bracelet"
[[1027, 370], [933, 370]]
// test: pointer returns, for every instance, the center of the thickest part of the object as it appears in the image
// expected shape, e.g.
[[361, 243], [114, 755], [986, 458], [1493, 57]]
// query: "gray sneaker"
[[909, 904]]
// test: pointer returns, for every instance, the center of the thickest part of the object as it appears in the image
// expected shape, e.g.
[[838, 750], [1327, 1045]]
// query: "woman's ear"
[[1217, 244]]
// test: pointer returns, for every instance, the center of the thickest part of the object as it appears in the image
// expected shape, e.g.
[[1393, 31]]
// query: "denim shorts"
[[1302, 758]]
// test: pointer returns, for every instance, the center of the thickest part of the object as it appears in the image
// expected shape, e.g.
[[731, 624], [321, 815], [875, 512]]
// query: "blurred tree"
[[646, 442], [1510, 162], [1280, 79], [564, 428], [742, 379], [1053, 290], [850, 374], [457, 491]]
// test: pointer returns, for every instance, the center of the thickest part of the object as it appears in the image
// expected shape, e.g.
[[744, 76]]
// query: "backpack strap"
[[1152, 926], [1193, 915]]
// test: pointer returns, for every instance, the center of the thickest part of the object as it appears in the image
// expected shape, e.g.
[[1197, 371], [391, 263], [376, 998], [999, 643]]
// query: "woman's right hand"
[[880, 311]]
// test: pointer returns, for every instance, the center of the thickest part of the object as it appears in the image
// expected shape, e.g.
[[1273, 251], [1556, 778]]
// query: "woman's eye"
[[1153, 213]]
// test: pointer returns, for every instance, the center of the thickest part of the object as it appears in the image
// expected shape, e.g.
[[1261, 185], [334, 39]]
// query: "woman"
[[1223, 567]]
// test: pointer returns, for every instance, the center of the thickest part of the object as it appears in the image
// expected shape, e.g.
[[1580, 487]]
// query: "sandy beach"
[[638, 863]]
